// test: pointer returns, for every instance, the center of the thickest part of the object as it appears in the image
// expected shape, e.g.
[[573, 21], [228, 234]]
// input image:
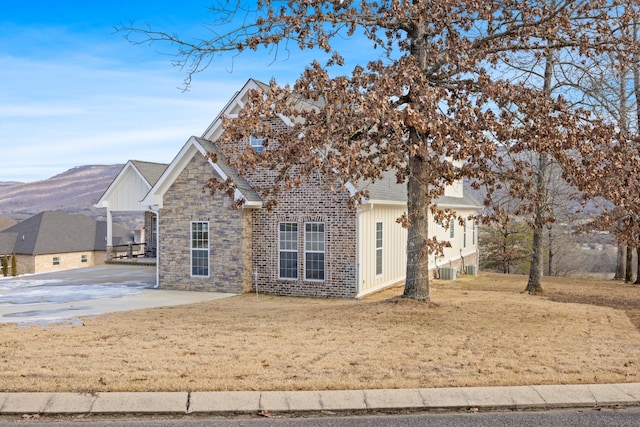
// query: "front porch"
[[131, 253]]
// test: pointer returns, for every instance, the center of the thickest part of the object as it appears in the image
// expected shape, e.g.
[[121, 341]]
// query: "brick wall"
[[311, 203], [314, 201], [187, 201]]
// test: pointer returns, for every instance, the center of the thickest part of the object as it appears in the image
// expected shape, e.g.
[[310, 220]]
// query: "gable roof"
[[131, 185], [55, 232], [150, 171], [201, 145]]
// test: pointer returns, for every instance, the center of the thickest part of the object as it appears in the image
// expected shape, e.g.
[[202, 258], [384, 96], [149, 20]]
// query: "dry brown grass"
[[479, 331]]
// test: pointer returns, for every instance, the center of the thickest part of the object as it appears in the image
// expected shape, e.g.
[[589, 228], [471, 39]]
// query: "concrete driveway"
[[66, 296]]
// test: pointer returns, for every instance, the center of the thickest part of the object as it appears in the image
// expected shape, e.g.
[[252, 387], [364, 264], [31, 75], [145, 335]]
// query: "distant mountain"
[[74, 191]]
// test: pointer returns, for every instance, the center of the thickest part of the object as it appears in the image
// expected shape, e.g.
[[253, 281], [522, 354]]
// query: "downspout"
[[157, 213], [157, 249]]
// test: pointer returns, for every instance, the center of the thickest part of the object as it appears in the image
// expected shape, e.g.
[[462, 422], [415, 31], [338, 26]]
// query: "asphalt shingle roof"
[[150, 171], [56, 232], [241, 184]]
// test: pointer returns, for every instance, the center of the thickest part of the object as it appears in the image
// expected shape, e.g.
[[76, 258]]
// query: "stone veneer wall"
[[187, 200]]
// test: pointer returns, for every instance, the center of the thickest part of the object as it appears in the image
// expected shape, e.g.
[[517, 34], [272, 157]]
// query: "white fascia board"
[[103, 202], [385, 202], [156, 194], [215, 128], [455, 206]]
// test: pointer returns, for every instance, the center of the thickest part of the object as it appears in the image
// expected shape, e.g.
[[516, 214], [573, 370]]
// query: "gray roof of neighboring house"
[[56, 232], [241, 184], [150, 171]]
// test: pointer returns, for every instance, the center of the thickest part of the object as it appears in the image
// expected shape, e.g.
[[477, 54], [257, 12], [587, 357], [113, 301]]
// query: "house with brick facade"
[[313, 243], [56, 240]]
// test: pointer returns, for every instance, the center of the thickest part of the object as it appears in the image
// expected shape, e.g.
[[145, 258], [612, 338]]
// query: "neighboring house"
[[55, 240], [311, 244]]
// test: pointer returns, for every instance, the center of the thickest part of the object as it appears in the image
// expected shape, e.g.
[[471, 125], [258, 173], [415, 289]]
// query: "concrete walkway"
[[273, 402]]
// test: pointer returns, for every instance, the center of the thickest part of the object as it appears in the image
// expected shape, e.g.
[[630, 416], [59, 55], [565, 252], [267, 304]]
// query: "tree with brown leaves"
[[429, 105]]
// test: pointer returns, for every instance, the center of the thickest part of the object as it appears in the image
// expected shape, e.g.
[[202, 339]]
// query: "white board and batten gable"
[[130, 186]]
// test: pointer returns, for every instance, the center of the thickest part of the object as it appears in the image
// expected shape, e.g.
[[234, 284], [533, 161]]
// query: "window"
[[83, 258], [464, 234], [473, 236], [314, 251], [257, 143], [200, 249], [452, 228], [378, 248], [56, 260], [288, 250]]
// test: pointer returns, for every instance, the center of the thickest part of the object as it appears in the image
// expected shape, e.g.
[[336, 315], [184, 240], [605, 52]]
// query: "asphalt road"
[[566, 418]]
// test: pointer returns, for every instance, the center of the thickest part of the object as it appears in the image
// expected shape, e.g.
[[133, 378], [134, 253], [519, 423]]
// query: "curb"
[[267, 402]]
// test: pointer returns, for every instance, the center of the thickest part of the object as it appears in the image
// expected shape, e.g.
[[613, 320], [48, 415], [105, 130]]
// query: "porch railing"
[[129, 250]]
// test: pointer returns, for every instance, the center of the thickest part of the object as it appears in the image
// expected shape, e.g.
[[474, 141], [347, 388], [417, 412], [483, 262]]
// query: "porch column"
[[109, 233]]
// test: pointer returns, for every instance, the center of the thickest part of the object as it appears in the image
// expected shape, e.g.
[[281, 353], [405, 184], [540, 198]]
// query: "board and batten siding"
[[127, 197], [394, 247], [461, 245]]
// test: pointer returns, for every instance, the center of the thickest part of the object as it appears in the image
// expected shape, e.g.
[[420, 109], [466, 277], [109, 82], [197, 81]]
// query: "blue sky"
[[74, 93]]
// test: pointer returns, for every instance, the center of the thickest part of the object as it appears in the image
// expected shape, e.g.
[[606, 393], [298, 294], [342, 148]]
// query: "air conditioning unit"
[[447, 273], [471, 270]]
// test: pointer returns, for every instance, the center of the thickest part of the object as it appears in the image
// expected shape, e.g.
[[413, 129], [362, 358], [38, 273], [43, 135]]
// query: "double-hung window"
[[473, 237], [378, 248], [314, 251], [257, 143], [200, 248], [452, 228], [464, 234], [288, 250]]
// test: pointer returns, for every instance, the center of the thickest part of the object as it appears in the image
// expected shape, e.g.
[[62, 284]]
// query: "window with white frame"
[[56, 260], [378, 248], [473, 236], [288, 250], [452, 228], [257, 143], [83, 258], [464, 234], [200, 248], [314, 251]]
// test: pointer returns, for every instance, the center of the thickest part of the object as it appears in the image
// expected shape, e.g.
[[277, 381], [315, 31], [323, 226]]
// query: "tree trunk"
[[534, 284], [535, 271], [550, 252], [628, 273], [637, 282], [620, 259], [537, 257], [417, 280]]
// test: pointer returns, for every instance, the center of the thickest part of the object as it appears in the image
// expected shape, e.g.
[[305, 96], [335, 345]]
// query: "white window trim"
[[324, 252], [297, 251], [191, 249], [464, 234], [379, 248], [258, 147], [473, 238]]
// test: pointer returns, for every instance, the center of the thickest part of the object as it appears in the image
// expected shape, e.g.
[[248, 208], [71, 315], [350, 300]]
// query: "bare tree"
[[430, 104]]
